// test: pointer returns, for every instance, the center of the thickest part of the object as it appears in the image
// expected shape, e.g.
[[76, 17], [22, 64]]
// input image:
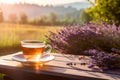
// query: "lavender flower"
[[104, 60], [75, 39]]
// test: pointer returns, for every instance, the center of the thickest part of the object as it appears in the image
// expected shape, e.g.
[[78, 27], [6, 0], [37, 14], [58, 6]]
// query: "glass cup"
[[33, 50]]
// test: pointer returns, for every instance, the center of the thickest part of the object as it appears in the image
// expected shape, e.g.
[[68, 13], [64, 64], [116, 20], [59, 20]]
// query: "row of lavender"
[[99, 41]]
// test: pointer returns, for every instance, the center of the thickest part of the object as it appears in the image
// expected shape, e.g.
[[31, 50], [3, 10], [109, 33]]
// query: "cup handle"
[[48, 49]]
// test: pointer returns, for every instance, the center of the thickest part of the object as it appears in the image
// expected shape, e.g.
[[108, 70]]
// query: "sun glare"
[[10, 1], [40, 2]]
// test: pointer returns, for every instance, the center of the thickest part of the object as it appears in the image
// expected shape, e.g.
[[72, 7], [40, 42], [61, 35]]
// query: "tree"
[[105, 11], [1, 16], [23, 18], [43, 20], [84, 17], [53, 18], [66, 20], [13, 18]]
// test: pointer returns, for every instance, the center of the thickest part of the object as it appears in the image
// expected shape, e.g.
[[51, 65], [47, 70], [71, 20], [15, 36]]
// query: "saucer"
[[20, 58]]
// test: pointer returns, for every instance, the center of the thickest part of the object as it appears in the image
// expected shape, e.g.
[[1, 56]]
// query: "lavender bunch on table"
[[75, 39], [104, 60]]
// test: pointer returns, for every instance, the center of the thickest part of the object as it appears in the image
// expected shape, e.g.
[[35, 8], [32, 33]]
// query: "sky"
[[42, 2]]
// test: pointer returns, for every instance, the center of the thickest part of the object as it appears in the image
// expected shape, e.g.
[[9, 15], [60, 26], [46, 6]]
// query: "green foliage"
[[106, 11], [65, 20], [53, 18], [46, 20], [84, 17], [23, 18], [43, 20]]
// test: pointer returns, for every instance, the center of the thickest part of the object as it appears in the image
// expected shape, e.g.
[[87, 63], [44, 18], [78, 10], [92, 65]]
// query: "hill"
[[35, 11], [78, 5]]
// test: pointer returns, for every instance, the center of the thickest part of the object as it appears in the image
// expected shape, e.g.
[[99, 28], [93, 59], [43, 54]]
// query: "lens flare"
[[38, 57]]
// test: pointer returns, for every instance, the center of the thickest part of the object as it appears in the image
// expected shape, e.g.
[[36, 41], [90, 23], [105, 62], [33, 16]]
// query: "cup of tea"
[[33, 50]]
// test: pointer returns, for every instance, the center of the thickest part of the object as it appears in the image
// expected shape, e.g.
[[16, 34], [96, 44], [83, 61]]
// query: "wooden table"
[[53, 70]]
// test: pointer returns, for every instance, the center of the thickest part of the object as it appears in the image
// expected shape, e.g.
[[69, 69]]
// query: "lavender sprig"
[[104, 60]]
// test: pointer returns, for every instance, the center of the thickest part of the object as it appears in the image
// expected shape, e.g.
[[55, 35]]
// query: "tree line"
[[51, 19], [107, 11], [13, 18]]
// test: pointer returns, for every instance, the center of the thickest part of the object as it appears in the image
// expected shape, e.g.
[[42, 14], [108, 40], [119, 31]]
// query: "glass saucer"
[[20, 58]]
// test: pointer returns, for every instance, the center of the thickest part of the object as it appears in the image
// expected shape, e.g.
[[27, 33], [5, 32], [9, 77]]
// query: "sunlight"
[[38, 57], [41, 2], [10, 1]]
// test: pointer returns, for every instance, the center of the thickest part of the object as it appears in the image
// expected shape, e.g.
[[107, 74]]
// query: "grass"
[[12, 34]]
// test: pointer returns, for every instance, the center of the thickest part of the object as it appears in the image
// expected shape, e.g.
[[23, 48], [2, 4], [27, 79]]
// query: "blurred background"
[[33, 19]]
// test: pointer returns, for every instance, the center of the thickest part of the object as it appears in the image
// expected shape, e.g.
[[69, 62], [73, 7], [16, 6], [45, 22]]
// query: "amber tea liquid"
[[33, 52]]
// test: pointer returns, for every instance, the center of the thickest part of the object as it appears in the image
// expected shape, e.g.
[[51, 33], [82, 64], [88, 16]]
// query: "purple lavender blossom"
[[95, 39], [91, 65], [104, 60], [75, 39]]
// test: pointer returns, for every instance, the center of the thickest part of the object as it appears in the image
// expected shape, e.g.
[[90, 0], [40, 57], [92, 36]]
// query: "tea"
[[33, 52]]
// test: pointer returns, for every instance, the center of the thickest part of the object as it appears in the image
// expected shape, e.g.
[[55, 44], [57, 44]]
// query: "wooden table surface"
[[53, 70]]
